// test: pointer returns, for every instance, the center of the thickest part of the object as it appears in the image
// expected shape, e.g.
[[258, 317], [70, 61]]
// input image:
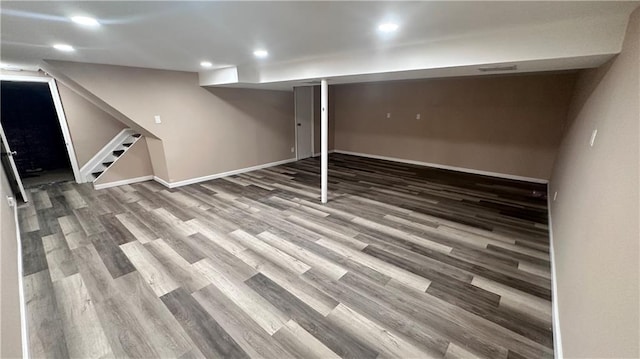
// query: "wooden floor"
[[404, 261]]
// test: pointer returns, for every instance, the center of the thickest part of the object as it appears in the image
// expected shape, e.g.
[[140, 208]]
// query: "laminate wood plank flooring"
[[404, 261]]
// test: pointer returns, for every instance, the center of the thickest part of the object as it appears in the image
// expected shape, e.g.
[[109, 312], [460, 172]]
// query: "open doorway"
[[31, 122]]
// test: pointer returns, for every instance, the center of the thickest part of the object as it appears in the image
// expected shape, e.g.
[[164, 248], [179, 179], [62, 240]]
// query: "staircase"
[[108, 155]]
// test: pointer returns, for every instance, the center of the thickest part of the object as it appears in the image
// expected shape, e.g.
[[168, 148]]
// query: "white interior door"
[[303, 97], [7, 160]]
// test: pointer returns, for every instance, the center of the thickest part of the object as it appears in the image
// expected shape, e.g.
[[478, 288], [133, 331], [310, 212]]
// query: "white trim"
[[313, 116], [445, 167], [557, 338], [317, 154], [12, 164], [23, 309], [24, 78], [295, 122], [125, 149], [57, 103], [162, 182], [220, 175], [85, 171], [123, 182]]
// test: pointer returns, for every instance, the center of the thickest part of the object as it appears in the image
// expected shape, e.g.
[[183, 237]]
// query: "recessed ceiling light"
[[388, 27], [261, 54], [206, 64], [63, 47], [85, 21]]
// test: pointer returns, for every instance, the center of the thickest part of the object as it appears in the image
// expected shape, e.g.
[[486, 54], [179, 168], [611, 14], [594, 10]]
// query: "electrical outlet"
[[293, 149], [388, 114], [157, 119], [417, 116]]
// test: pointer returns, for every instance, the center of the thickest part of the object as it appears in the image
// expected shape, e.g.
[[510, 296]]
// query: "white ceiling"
[[303, 37]]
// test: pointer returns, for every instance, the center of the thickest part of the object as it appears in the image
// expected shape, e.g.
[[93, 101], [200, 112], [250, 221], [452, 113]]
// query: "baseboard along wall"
[[220, 175], [446, 167]]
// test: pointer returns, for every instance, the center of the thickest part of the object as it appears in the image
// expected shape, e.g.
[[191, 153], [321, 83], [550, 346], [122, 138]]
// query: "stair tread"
[[118, 152], [127, 144], [107, 163], [136, 135], [96, 174]]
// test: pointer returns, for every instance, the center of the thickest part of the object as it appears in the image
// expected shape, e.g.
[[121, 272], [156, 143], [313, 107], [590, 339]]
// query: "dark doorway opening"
[[30, 122]]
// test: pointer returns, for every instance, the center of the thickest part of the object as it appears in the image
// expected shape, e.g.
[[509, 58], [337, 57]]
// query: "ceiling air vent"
[[498, 68]]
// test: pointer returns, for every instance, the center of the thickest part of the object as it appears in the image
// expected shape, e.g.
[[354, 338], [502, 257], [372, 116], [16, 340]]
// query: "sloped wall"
[[203, 131], [90, 127]]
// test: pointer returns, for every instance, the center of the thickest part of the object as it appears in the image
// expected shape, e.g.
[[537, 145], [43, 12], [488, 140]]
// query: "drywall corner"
[[158, 159], [555, 313]]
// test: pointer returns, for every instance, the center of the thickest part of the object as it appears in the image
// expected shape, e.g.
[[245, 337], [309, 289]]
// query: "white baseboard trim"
[[220, 175], [123, 182], [445, 167], [318, 154], [557, 338], [162, 182], [24, 329], [99, 156]]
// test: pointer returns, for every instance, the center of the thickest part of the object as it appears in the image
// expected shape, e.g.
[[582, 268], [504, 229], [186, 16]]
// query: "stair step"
[[127, 144], [96, 174], [136, 135], [107, 164], [117, 153]]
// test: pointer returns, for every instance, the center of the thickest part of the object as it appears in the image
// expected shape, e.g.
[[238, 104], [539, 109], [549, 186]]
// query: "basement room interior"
[[317, 179]]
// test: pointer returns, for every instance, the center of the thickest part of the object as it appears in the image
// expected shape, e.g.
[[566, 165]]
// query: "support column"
[[324, 136]]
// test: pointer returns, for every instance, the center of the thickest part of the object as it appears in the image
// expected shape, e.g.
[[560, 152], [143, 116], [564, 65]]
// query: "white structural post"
[[324, 135]]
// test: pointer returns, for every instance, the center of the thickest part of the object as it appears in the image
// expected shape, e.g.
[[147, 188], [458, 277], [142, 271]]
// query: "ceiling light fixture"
[[388, 27], [261, 54], [206, 64], [85, 21], [63, 47]]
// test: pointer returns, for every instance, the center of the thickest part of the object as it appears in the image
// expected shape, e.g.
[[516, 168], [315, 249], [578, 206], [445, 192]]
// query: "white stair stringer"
[[108, 155]]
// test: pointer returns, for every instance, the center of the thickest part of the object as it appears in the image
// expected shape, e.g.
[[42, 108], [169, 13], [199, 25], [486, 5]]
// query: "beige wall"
[[316, 119], [595, 217], [90, 127], [504, 124], [10, 325], [158, 160], [132, 164], [203, 131]]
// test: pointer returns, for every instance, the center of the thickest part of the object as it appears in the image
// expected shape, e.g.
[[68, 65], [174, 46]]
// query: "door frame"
[[13, 169], [313, 119], [295, 121], [62, 119]]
